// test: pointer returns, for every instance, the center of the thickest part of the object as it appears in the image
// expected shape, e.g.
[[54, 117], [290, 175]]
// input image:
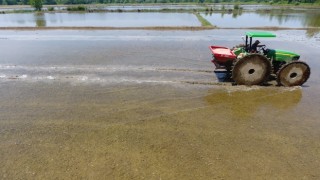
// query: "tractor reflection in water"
[[243, 103]]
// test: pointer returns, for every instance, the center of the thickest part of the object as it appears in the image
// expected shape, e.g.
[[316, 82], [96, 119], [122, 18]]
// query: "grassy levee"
[[203, 21]]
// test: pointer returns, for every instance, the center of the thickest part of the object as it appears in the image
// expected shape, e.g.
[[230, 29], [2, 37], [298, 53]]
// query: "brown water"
[[69, 120]]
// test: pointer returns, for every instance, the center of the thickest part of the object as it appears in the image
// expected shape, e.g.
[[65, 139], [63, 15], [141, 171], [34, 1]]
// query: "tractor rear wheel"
[[253, 69], [293, 74]]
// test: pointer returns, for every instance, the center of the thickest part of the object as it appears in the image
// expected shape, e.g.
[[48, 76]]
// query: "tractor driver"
[[254, 46]]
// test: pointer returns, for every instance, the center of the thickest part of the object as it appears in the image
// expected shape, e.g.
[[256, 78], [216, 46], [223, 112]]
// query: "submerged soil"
[[146, 105], [140, 131]]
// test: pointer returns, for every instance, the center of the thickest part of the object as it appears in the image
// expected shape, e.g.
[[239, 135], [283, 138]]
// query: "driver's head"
[[257, 42]]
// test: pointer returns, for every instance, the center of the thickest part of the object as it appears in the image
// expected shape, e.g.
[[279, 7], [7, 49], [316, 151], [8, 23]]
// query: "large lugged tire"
[[253, 69], [293, 74]]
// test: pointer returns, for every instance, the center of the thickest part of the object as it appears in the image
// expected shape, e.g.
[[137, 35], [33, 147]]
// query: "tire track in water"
[[99, 68], [107, 74], [104, 75]]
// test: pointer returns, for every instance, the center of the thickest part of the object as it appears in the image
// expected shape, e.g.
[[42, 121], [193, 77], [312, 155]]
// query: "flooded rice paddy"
[[141, 7], [98, 19], [263, 19], [146, 105], [226, 19], [124, 7]]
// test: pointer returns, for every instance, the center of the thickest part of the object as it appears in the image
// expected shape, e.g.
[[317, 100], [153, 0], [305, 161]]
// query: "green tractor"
[[254, 64]]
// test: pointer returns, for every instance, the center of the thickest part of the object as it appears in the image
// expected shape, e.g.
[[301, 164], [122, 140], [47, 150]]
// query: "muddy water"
[[77, 107]]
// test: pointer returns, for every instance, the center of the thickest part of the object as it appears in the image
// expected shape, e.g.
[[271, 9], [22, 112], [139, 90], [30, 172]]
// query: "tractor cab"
[[276, 55], [249, 40], [251, 45]]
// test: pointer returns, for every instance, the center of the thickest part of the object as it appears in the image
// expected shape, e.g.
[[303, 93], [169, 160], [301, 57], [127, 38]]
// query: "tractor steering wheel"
[[261, 49]]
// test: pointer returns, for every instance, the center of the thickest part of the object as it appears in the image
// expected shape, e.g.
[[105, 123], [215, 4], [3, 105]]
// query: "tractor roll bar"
[[248, 48]]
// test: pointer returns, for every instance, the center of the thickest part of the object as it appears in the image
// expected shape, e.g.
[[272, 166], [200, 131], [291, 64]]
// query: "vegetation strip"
[[203, 21]]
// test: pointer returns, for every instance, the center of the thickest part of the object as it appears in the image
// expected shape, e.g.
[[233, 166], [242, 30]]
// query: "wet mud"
[[96, 105]]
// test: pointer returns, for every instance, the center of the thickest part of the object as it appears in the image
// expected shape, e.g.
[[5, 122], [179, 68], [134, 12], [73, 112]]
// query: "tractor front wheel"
[[293, 74]]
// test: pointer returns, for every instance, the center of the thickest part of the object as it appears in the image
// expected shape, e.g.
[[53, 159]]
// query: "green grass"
[[76, 8], [51, 8], [203, 21]]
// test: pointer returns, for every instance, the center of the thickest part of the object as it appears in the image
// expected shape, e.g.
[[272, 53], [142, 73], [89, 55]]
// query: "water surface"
[[97, 19], [144, 104], [264, 19], [236, 19]]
